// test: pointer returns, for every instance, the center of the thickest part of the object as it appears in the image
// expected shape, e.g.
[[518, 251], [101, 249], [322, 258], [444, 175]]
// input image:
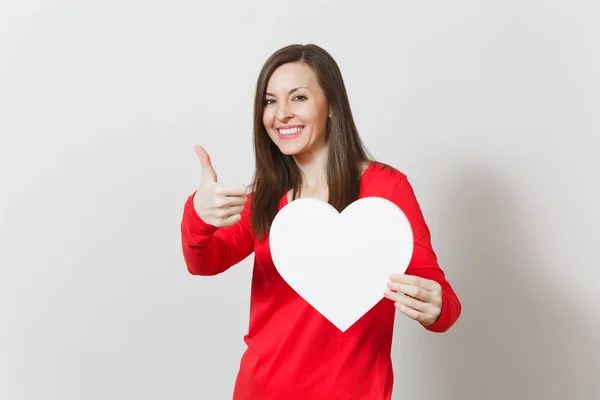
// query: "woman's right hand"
[[217, 204]]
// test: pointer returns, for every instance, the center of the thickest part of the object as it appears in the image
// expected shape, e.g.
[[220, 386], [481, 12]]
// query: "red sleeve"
[[424, 261], [208, 250]]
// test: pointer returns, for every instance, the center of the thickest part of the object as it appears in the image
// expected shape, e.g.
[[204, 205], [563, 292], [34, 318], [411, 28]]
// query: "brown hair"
[[276, 173]]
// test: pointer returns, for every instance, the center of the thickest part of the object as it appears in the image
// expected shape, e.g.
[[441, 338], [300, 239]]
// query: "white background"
[[491, 108]]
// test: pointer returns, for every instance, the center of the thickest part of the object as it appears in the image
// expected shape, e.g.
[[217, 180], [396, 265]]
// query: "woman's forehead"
[[291, 76]]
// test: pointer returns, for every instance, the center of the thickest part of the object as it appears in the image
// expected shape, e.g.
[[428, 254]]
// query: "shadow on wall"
[[518, 337]]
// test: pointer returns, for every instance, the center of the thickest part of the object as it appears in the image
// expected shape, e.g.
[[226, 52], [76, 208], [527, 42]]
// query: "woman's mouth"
[[290, 133]]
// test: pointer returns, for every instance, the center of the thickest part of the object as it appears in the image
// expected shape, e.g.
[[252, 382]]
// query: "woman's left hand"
[[419, 298]]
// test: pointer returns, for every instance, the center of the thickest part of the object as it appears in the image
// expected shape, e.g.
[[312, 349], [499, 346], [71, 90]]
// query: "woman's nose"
[[283, 112]]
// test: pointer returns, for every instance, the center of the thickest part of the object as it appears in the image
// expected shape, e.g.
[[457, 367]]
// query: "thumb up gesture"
[[217, 204]]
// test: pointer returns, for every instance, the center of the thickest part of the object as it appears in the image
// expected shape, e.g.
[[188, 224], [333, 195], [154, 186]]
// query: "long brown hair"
[[276, 173]]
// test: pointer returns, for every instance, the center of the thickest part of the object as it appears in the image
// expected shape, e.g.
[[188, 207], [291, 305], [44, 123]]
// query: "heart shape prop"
[[340, 263]]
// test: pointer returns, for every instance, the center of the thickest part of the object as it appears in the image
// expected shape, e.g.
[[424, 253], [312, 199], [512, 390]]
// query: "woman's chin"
[[298, 149], [288, 150]]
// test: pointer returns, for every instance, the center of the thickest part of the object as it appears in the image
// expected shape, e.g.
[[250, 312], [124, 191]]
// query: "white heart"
[[341, 263]]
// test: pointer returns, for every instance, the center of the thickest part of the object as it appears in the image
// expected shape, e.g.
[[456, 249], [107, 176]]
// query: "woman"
[[306, 145]]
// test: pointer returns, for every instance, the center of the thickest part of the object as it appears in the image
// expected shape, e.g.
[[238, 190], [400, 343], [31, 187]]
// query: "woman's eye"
[[299, 97]]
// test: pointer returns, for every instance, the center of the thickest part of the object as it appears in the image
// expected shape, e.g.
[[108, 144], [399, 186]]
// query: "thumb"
[[208, 172]]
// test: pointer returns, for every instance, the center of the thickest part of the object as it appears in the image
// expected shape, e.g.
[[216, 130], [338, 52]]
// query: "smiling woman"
[[306, 145], [300, 111], [303, 124]]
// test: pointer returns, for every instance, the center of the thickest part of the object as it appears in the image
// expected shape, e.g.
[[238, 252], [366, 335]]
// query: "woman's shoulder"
[[382, 173]]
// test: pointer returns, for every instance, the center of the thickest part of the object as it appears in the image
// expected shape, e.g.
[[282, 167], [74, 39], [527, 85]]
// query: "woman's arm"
[[209, 250], [424, 261]]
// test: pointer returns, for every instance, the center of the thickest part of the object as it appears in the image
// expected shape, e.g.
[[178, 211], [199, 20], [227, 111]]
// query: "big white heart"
[[340, 263]]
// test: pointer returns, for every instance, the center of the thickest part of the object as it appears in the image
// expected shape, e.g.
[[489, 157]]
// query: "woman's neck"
[[313, 166]]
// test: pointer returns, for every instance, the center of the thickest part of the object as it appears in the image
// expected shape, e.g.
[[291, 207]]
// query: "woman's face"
[[296, 111]]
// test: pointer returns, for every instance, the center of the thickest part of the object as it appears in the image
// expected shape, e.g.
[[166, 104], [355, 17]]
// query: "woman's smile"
[[290, 132]]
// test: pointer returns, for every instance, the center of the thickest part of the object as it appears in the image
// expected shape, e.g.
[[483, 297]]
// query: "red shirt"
[[293, 352]]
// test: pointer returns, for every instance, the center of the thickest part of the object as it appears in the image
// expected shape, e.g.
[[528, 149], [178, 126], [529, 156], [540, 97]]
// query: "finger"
[[411, 290], [232, 219], [414, 280], [415, 304], [208, 172], [231, 201], [414, 314], [407, 301], [228, 212], [232, 190], [413, 308]]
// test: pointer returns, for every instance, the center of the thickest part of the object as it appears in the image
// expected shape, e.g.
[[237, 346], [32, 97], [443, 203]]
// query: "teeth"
[[289, 131]]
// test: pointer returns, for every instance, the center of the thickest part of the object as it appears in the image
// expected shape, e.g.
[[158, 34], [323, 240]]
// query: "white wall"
[[491, 108]]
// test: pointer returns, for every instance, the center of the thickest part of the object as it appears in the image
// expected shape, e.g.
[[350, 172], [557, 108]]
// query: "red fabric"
[[293, 351]]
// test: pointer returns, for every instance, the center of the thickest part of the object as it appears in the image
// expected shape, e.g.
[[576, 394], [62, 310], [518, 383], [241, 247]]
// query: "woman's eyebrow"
[[290, 92]]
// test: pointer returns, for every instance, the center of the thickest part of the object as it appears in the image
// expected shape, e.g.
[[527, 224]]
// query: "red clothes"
[[294, 353]]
